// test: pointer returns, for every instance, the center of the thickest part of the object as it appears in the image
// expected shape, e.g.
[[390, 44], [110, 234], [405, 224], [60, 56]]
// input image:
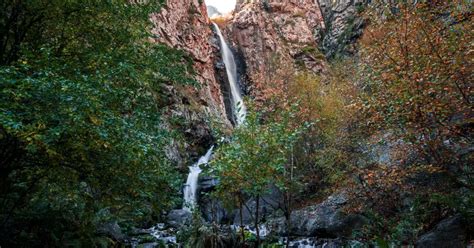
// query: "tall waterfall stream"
[[238, 107], [239, 113]]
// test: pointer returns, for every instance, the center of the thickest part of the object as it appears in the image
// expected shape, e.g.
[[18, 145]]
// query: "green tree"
[[81, 141], [255, 158]]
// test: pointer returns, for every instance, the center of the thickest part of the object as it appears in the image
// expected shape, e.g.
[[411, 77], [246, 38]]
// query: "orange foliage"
[[221, 21], [419, 73]]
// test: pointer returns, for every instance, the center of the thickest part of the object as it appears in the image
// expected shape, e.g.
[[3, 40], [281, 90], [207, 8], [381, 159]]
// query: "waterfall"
[[238, 108], [192, 182], [239, 112]]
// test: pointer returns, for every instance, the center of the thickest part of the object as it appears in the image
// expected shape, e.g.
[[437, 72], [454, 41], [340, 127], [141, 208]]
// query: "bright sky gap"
[[224, 6]]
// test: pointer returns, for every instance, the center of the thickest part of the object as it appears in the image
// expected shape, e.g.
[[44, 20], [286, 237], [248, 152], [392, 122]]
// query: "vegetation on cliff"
[[408, 95], [83, 142]]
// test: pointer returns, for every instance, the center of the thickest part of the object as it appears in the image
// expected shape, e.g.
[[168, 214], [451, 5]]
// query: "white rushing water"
[[238, 106], [239, 112], [190, 189]]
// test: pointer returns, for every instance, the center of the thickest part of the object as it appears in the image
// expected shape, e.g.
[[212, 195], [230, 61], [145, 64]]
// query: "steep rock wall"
[[184, 25], [342, 25], [275, 38], [271, 39]]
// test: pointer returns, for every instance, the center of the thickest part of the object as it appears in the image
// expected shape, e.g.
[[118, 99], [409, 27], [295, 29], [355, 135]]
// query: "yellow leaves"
[[95, 120]]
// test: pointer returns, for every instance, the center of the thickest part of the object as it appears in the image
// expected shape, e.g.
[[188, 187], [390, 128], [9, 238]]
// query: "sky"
[[224, 6]]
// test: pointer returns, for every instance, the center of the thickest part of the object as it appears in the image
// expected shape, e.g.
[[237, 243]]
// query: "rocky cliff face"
[[342, 26], [275, 38], [184, 24], [272, 39]]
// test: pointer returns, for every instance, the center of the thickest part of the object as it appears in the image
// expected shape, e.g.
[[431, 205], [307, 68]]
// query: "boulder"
[[449, 233], [324, 220], [178, 218], [111, 229], [268, 204], [213, 210], [207, 184]]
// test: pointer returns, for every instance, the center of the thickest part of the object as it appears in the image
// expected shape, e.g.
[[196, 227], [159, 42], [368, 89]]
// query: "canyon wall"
[[184, 25], [271, 40], [343, 26], [275, 38]]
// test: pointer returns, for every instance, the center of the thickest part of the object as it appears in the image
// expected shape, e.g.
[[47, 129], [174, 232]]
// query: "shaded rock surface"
[[450, 232], [178, 218], [342, 26], [212, 210], [207, 184], [111, 229], [323, 220], [268, 204]]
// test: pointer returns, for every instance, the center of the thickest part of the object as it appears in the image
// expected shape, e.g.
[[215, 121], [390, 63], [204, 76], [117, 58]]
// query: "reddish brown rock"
[[276, 38], [183, 24]]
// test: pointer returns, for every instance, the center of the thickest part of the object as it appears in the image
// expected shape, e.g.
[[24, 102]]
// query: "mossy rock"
[[314, 51], [146, 238], [157, 244], [104, 242]]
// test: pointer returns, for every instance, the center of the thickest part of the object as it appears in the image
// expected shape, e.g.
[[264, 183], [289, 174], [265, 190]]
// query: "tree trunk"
[[288, 202], [257, 201], [241, 220], [214, 223], [288, 220]]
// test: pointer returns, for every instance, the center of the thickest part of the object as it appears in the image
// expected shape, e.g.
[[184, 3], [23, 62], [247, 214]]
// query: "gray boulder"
[[213, 210], [268, 204], [111, 229], [449, 233], [207, 184], [325, 220], [178, 218]]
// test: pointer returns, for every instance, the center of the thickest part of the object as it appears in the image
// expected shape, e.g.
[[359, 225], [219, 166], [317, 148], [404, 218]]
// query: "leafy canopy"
[[80, 126]]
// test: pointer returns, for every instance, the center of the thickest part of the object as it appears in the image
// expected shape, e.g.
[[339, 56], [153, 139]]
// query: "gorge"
[[239, 112], [280, 123]]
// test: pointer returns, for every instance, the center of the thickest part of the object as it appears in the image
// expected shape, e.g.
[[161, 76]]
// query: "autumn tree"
[[415, 74], [417, 63]]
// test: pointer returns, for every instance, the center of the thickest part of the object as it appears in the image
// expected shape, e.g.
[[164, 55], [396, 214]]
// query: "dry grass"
[[221, 21]]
